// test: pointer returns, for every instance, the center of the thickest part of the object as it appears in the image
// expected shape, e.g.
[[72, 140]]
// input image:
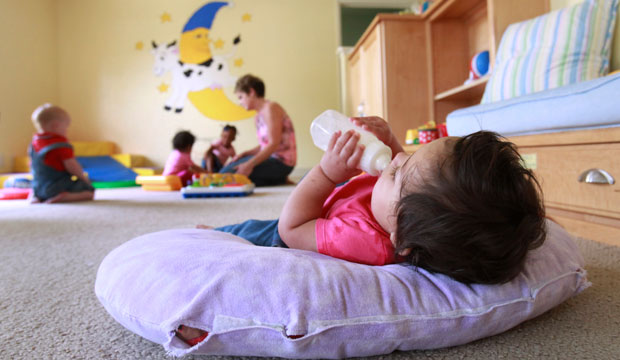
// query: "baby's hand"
[[342, 157], [376, 126]]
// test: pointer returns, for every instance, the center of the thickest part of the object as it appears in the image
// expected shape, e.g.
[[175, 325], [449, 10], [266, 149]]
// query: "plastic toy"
[[218, 185], [443, 130], [411, 137], [160, 182], [478, 66], [429, 132], [22, 181], [428, 135]]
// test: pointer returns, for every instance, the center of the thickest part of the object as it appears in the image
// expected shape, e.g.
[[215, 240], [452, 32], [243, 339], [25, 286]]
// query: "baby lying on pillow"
[[464, 207]]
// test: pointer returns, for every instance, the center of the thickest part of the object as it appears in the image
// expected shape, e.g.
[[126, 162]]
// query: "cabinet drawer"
[[558, 169]]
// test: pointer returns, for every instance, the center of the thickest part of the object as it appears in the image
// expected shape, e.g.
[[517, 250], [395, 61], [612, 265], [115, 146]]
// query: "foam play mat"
[[14, 193], [106, 172]]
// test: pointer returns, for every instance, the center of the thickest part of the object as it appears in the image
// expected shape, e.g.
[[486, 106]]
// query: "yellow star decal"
[[238, 62], [219, 43], [165, 17], [246, 17], [139, 45], [163, 87]]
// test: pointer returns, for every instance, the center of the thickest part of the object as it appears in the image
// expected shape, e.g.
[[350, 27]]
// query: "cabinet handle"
[[596, 176]]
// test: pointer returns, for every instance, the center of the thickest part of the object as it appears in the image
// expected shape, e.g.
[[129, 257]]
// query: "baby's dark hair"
[[478, 217], [249, 81], [182, 140], [230, 128]]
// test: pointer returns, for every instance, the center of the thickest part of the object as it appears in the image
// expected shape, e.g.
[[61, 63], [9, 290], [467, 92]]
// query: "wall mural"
[[197, 73]]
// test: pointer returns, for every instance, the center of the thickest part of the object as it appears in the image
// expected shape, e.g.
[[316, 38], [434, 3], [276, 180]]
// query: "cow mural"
[[197, 73], [213, 73]]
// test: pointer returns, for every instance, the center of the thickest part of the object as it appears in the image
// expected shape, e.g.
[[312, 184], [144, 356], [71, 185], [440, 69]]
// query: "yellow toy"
[[160, 183]]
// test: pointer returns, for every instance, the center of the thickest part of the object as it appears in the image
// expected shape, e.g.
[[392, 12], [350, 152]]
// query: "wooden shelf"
[[409, 69], [455, 9], [410, 149], [470, 91], [459, 29]]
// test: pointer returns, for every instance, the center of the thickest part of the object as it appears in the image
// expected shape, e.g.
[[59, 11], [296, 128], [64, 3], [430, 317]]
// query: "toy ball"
[[479, 65]]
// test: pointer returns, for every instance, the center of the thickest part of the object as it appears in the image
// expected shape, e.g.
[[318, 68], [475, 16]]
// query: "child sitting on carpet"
[[464, 207], [180, 161], [220, 150], [52, 161]]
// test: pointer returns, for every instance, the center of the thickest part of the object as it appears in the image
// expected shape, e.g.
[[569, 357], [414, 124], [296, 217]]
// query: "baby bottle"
[[377, 156]]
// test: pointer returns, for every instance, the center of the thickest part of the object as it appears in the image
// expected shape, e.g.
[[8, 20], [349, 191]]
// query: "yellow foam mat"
[[93, 148], [146, 171], [130, 160]]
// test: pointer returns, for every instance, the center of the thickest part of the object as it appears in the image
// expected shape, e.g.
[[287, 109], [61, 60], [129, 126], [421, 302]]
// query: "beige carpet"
[[49, 255]]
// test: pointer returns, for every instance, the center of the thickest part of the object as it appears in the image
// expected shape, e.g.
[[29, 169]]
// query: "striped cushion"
[[559, 48]]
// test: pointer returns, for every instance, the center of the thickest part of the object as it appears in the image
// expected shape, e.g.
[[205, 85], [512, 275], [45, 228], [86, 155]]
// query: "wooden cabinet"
[[457, 30], [387, 73], [590, 210], [409, 69]]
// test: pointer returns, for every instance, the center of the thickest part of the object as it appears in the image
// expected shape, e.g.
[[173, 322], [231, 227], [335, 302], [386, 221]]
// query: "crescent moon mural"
[[197, 74]]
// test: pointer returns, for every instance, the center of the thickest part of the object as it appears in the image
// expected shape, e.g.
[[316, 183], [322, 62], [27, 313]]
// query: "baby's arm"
[[382, 131], [73, 167], [197, 169], [209, 151], [339, 163]]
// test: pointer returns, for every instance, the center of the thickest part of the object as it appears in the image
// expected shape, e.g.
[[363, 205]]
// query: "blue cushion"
[[585, 105]]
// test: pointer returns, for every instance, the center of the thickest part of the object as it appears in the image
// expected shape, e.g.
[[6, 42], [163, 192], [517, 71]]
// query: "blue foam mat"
[[105, 168]]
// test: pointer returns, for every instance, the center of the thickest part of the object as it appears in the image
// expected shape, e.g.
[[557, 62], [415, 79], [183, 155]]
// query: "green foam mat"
[[113, 184]]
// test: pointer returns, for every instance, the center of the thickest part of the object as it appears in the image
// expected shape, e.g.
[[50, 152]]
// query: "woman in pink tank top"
[[274, 158]]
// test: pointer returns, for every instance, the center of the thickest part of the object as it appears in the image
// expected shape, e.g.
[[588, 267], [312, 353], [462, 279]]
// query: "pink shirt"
[[223, 153], [348, 230], [287, 150], [177, 163]]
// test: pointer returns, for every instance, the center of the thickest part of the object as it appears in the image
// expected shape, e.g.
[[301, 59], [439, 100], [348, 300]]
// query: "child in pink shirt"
[[464, 207], [221, 150], [180, 161]]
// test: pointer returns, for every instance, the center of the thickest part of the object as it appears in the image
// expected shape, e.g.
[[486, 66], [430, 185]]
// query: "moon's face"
[[194, 46]]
